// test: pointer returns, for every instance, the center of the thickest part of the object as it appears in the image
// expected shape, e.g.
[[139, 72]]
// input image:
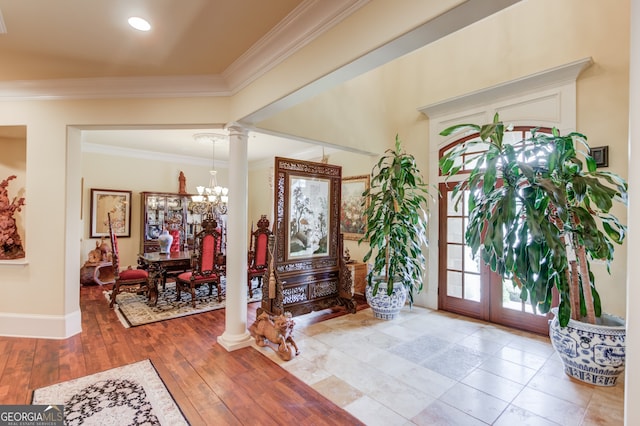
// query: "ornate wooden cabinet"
[[164, 209]]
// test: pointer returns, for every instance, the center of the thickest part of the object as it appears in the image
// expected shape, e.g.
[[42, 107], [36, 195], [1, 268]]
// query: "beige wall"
[[369, 110]]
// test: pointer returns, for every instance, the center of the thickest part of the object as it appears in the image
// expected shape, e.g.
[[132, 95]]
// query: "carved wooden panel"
[[307, 250]]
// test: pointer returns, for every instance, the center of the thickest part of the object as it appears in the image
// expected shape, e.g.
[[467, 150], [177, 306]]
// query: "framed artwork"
[[352, 220], [118, 203], [309, 232], [601, 155]]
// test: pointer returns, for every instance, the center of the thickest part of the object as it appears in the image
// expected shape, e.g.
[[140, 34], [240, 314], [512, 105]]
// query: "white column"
[[236, 335], [632, 375]]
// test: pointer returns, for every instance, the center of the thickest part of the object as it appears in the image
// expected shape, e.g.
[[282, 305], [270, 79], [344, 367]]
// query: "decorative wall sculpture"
[[10, 242]]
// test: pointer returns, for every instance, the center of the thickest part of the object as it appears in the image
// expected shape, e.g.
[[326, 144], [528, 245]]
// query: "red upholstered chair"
[[135, 279], [258, 253], [205, 268]]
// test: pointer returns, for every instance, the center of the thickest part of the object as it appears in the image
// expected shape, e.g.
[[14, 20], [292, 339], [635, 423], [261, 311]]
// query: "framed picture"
[[118, 203], [601, 155], [352, 220], [309, 232]]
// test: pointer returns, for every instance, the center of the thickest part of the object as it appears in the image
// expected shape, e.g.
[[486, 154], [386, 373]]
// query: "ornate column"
[[236, 335]]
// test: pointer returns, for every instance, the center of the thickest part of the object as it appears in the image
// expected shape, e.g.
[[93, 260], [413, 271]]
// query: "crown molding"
[[114, 87], [308, 21], [148, 155]]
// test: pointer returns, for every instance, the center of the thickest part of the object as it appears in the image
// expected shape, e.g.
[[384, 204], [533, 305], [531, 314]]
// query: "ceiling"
[[51, 45]]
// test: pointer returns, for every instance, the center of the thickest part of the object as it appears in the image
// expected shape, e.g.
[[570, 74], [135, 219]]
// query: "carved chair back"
[[207, 248], [258, 248], [115, 254], [137, 278]]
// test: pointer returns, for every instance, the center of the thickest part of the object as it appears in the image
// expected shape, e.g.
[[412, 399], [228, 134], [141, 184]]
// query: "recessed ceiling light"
[[139, 23]]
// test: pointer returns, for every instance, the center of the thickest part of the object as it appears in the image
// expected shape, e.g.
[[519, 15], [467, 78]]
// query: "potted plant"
[[539, 213], [396, 229]]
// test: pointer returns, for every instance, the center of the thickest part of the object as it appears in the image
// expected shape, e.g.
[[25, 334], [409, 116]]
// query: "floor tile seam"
[[366, 389], [350, 409], [394, 410], [544, 391], [584, 410], [522, 387], [471, 415]]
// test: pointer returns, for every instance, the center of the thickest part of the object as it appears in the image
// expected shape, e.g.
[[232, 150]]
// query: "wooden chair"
[[135, 279], [258, 247], [205, 268]]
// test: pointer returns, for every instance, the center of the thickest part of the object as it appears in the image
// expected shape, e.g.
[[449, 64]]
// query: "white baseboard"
[[40, 326]]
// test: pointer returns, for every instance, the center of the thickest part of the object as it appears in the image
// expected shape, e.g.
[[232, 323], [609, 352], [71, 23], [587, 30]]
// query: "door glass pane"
[[511, 299], [454, 230], [454, 284], [451, 205], [471, 264], [472, 287], [454, 257]]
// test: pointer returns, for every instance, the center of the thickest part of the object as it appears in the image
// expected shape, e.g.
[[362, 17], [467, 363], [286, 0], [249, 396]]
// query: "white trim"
[[41, 326], [528, 84], [15, 262]]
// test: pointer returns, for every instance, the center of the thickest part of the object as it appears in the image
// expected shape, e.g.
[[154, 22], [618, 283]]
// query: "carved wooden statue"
[[276, 333], [102, 252], [10, 242], [182, 183]]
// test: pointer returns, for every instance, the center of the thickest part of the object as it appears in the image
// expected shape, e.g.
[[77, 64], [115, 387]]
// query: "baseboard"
[[40, 326]]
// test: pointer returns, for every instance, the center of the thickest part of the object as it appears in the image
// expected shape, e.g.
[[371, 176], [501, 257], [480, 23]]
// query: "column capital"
[[236, 129]]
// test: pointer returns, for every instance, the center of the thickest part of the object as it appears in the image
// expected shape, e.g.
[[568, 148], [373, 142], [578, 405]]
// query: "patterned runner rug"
[[129, 395], [134, 310]]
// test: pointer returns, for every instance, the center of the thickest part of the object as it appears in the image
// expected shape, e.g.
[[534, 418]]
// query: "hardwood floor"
[[211, 385]]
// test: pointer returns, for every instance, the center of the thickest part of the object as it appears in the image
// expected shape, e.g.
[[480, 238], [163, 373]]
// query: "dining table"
[[160, 265]]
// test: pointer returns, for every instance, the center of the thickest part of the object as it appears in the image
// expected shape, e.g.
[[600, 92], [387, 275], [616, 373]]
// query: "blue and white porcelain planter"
[[592, 353], [386, 306]]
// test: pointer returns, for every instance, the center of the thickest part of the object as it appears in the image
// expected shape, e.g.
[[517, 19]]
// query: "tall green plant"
[[537, 216], [396, 219]]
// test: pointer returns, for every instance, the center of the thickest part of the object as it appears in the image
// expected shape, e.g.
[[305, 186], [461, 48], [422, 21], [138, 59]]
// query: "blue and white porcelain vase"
[[165, 239], [386, 306], [592, 353]]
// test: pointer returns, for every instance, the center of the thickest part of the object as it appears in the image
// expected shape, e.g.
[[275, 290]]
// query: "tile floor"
[[435, 368]]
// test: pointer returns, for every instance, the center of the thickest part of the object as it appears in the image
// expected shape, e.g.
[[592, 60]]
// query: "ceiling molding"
[[148, 155], [114, 87], [308, 21]]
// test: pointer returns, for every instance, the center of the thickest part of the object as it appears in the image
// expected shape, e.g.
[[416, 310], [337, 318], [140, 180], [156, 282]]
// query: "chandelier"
[[212, 197]]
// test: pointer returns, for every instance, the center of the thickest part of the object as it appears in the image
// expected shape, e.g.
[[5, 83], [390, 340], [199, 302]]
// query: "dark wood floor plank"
[[212, 386]]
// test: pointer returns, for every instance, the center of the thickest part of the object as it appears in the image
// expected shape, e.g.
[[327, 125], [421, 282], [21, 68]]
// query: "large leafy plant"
[[539, 213], [396, 219]]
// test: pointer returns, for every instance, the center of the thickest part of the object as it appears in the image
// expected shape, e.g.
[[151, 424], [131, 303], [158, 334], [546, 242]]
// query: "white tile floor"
[[435, 368]]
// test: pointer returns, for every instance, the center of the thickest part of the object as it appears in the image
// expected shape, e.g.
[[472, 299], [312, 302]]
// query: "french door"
[[467, 286]]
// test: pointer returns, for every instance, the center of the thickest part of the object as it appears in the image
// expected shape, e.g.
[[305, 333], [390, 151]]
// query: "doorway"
[[466, 285]]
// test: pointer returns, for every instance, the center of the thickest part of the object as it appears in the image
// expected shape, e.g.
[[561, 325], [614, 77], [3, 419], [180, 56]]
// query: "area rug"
[[133, 309], [129, 395]]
